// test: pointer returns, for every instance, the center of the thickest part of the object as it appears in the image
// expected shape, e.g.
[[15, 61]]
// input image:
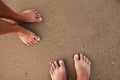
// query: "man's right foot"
[[58, 71], [82, 66]]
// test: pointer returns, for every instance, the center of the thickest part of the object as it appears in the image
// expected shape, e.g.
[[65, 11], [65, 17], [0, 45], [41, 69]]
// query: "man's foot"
[[58, 71], [82, 66], [28, 37], [29, 16]]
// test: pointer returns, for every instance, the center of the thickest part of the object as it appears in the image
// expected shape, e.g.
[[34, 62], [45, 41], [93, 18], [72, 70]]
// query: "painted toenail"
[[38, 39], [40, 19]]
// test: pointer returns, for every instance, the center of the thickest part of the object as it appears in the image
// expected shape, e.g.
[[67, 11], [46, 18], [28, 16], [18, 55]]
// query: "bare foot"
[[28, 37], [82, 66], [30, 16], [58, 71]]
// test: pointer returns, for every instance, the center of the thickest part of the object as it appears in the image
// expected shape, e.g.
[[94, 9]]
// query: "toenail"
[[38, 39], [61, 61], [40, 19], [76, 55]]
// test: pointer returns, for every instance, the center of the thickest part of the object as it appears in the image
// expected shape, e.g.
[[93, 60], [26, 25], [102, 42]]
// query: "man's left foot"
[[82, 66], [58, 71]]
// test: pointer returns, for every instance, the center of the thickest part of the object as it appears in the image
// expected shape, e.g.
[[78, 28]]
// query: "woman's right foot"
[[58, 71], [82, 66], [31, 16]]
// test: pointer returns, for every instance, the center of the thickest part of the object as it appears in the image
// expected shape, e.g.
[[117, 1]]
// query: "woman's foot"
[[29, 16], [58, 71], [82, 66], [28, 37]]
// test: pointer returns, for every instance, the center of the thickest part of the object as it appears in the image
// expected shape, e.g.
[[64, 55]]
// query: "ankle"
[[83, 78], [18, 17], [18, 29], [14, 16]]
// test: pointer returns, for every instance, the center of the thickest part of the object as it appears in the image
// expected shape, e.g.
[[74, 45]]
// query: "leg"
[[26, 16], [58, 71], [26, 36], [82, 66]]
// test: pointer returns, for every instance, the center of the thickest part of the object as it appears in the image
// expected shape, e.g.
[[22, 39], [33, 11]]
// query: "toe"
[[84, 58], [53, 66], [29, 43], [61, 63], [38, 19], [35, 11], [56, 64], [34, 41], [37, 38], [89, 62], [81, 56], [51, 73], [76, 57], [51, 69]]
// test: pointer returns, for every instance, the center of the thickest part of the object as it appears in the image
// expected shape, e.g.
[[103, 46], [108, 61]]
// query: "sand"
[[91, 27]]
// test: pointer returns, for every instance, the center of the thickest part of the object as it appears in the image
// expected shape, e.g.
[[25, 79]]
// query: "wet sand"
[[91, 27]]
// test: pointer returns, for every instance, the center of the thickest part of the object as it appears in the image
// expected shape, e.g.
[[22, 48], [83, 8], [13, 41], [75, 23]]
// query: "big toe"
[[37, 38], [61, 63], [38, 19], [76, 57]]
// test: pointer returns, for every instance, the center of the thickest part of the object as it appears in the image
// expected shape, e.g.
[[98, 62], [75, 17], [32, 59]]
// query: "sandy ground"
[[91, 27]]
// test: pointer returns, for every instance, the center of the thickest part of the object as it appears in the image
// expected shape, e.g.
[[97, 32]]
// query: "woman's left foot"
[[29, 16]]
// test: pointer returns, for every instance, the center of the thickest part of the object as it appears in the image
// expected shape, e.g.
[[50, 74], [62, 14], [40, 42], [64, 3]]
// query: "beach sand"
[[91, 27]]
